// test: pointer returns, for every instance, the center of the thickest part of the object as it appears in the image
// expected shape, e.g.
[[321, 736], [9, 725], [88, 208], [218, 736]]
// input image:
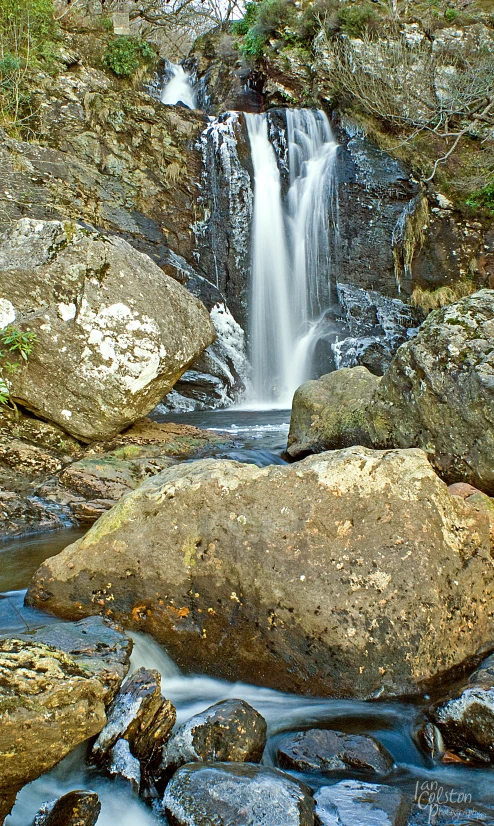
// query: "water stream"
[[177, 88], [259, 437]]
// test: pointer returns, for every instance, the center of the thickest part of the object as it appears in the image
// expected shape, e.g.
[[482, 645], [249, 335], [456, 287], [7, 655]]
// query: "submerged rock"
[[331, 412], [352, 803], [78, 808], [128, 330], [140, 715], [236, 795], [332, 751], [48, 705], [123, 765], [228, 731], [351, 573]]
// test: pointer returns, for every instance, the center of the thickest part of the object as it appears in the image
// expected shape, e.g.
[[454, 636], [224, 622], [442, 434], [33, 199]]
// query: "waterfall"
[[295, 239], [178, 88]]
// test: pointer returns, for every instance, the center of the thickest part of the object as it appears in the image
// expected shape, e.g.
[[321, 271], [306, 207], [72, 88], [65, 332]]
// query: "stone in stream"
[[353, 803], [351, 573], [123, 765], [329, 751], [77, 808], [128, 330], [466, 721], [140, 715], [48, 705], [228, 731], [240, 794], [95, 644], [437, 394]]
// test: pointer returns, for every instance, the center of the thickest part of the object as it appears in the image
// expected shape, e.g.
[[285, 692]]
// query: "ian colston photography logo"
[[431, 796]]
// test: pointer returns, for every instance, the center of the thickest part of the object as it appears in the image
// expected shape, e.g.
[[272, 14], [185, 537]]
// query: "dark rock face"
[[352, 803], [140, 715], [228, 731], [466, 721], [323, 558], [333, 751], [73, 809], [236, 795]]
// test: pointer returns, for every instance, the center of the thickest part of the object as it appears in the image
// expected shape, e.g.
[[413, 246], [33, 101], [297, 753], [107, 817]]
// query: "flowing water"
[[294, 248], [259, 438], [177, 88]]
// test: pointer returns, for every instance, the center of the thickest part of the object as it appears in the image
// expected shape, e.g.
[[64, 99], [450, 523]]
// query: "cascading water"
[[294, 243], [178, 88]]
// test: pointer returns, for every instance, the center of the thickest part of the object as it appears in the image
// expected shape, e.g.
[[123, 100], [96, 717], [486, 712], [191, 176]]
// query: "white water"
[[294, 240], [178, 89]]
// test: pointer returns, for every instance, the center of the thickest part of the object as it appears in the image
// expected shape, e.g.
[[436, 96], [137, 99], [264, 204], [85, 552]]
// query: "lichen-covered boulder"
[[331, 412], [438, 393], [77, 808], [114, 332], [350, 573], [235, 794], [48, 705]]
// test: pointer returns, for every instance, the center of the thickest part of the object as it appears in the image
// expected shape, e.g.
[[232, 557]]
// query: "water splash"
[[295, 241], [178, 89]]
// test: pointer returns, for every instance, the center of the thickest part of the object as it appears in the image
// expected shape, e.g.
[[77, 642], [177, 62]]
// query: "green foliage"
[[483, 199], [262, 21], [28, 34], [451, 15], [107, 24], [355, 19], [15, 343], [124, 55]]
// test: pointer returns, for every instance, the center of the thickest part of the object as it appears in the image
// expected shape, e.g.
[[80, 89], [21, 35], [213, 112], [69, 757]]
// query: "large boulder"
[[350, 573], [331, 412], [437, 394], [324, 750], [114, 332]]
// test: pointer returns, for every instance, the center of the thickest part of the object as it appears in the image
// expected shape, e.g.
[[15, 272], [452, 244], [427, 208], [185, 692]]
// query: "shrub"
[[28, 33], [355, 19], [124, 55], [483, 199], [16, 343], [263, 20]]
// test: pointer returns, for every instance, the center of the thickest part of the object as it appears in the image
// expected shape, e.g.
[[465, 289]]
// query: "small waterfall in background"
[[294, 243], [178, 88]]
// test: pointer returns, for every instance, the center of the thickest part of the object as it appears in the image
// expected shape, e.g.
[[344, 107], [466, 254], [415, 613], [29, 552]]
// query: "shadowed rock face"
[[113, 332], [352, 573], [330, 751]]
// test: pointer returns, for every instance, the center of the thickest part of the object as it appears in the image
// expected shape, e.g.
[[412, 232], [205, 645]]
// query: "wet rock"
[[124, 766], [329, 751], [96, 644], [323, 558], [429, 739], [48, 705], [228, 731], [77, 808], [352, 803], [443, 814], [22, 514], [466, 721], [331, 412], [234, 795], [129, 331], [140, 715]]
